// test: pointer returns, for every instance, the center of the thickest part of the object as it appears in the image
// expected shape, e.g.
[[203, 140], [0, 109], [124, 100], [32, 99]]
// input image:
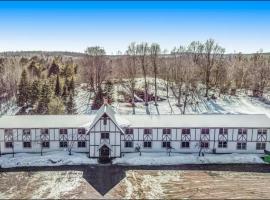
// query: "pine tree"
[[54, 69], [35, 92], [71, 86], [57, 90], [56, 106], [98, 99], [108, 91], [65, 95], [70, 107], [44, 101], [23, 90]]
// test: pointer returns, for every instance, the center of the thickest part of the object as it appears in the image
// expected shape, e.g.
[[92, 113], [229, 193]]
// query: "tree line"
[[45, 84], [186, 70]]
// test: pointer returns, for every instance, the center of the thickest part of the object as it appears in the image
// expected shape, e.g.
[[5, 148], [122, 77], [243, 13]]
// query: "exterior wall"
[[113, 142], [117, 140], [176, 138], [35, 139]]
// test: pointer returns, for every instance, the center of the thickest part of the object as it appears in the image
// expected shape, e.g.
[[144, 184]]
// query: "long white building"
[[107, 134]]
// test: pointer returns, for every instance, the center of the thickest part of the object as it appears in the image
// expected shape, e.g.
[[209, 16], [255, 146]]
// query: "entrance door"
[[104, 154]]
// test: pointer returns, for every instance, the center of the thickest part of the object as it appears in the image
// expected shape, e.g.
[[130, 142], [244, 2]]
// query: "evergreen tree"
[[70, 107], [23, 90], [65, 95], [44, 101], [71, 87], [98, 99], [56, 106], [54, 69], [108, 91], [57, 90], [35, 92]]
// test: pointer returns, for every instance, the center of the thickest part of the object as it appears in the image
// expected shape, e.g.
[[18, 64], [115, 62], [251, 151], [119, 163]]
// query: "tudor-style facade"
[[107, 134]]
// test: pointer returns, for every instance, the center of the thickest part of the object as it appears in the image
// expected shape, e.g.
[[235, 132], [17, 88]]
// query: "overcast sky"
[[72, 26]]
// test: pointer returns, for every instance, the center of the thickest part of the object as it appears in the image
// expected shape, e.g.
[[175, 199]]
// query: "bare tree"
[[178, 73], [154, 58], [260, 71], [95, 67], [143, 53], [212, 53], [130, 72]]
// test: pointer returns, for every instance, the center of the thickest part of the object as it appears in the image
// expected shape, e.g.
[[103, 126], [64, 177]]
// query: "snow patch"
[[175, 159], [55, 158]]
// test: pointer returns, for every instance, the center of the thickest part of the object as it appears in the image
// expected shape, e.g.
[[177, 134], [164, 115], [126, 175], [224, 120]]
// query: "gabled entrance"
[[104, 154]]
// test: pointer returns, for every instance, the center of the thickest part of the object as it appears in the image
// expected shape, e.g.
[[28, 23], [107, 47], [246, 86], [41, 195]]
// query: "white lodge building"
[[108, 134]]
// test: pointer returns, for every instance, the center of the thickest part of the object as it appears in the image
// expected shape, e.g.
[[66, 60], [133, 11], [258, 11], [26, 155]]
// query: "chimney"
[[105, 100]]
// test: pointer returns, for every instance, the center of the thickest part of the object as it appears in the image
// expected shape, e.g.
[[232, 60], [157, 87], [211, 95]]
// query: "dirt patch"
[[186, 181]]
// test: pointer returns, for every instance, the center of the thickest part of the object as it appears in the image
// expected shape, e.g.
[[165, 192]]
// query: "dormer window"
[[166, 131], [81, 131], [147, 131], [63, 131], [129, 131], [205, 131]]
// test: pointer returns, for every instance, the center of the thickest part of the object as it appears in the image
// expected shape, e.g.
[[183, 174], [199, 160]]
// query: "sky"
[[241, 26]]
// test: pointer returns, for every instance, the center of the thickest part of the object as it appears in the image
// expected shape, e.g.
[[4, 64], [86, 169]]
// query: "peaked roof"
[[108, 110]]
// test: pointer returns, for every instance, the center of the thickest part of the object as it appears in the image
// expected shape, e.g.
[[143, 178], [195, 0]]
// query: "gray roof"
[[46, 121], [150, 121], [202, 120]]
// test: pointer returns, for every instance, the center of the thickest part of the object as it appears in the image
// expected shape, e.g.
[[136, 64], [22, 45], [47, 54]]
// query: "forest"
[[45, 83]]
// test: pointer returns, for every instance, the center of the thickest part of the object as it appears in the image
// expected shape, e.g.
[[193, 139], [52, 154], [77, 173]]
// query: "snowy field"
[[55, 158], [177, 159]]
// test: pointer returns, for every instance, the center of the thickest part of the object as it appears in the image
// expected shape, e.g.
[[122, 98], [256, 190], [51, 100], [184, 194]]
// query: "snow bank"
[[48, 159], [175, 159]]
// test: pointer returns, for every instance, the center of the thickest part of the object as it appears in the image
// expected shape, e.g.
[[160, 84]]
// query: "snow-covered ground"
[[55, 158], [175, 159], [225, 104]]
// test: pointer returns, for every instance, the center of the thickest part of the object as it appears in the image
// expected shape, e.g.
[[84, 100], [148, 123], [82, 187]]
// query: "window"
[[26, 131], [128, 144], [105, 135], [129, 131], [223, 131], [26, 144], [242, 131], [46, 144], [166, 144], [147, 131], [81, 131], [185, 144], [260, 145], [222, 144], [262, 132], [147, 144], [81, 144], [8, 131], [44, 131], [63, 144], [63, 131], [205, 131], [9, 145], [166, 131], [104, 120], [186, 131], [204, 144], [241, 146]]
